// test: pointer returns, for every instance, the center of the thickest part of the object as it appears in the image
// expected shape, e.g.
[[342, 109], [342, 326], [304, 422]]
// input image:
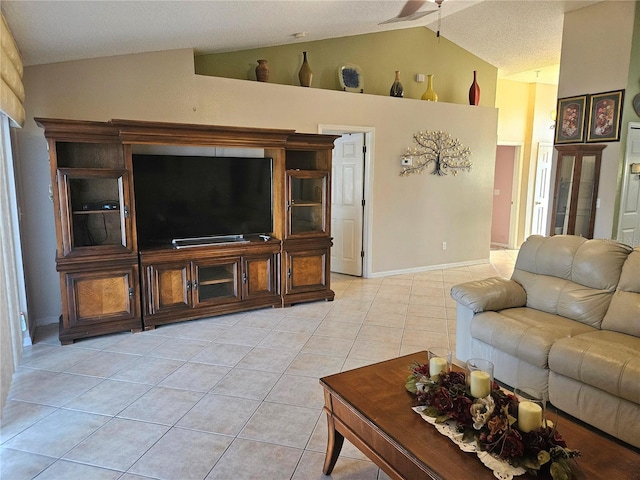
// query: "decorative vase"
[[305, 75], [397, 90], [430, 95], [474, 91], [262, 71]]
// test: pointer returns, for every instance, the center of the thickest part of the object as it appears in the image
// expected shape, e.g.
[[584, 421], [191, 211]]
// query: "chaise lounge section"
[[567, 323]]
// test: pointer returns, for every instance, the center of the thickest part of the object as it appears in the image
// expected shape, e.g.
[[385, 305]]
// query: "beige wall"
[[524, 120], [410, 50], [596, 54], [411, 216]]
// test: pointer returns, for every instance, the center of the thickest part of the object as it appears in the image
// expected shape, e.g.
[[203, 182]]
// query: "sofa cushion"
[[565, 298], [489, 294], [524, 333], [623, 314], [570, 276], [609, 361], [549, 255]]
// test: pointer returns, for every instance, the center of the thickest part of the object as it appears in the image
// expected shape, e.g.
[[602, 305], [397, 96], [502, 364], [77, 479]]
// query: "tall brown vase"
[[262, 71], [474, 91], [397, 90], [305, 75]]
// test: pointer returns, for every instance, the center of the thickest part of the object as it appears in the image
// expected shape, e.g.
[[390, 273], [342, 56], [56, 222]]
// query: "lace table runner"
[[501, 469]]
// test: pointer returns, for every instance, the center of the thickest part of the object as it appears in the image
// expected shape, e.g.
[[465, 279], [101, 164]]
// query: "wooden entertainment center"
[[108, 284]]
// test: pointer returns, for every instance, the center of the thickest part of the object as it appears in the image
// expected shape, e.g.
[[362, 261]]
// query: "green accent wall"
[[379, 55]]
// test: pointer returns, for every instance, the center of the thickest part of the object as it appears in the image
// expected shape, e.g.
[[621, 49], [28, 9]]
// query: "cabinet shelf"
[[93, 212], [215, 281], [303, 203]]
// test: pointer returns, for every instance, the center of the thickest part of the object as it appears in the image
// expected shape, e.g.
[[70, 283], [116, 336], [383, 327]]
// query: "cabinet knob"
[[130, 292], [244, 277], [289, 273], [188, 285]]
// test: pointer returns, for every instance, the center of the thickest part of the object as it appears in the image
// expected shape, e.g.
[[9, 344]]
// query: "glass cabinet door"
[[585, 196], [217, 282], [576, 189], [306, 203], [94, 210], [565, 187]]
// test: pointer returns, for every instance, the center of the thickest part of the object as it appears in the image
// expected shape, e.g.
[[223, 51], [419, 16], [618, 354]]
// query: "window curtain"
[[11, 315], [11, 88]]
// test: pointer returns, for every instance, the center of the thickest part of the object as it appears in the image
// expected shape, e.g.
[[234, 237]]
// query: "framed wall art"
[[605, 115], [570, 119]]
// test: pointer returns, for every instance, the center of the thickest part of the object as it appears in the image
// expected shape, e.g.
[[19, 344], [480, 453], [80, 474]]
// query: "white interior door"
[[542, 188], [347, 193], [629, 222]]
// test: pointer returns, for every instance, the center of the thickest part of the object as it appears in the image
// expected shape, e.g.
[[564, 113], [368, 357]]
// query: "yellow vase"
[[430, 95]]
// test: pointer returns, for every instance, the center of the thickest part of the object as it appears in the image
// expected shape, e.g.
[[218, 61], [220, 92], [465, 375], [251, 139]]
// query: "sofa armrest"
[[489, 294]]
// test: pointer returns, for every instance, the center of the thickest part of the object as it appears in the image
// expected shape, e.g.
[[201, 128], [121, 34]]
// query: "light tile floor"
[[229, 397]]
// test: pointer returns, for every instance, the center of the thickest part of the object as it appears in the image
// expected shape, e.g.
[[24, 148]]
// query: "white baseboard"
[[428, 268], [46, 321]]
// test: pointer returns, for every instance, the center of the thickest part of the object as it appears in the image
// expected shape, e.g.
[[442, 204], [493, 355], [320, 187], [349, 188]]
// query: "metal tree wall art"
[[447, 153]]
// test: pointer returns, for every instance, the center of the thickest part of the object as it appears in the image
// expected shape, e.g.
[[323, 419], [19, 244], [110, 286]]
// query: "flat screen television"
[[191, 197]]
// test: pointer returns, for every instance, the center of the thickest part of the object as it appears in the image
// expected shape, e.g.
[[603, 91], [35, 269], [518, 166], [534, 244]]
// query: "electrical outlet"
[[444, 245]]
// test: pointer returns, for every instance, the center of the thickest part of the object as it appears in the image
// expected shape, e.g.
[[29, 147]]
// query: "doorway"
[[629, 215], [504, 189], [542, 189], [350, 199]]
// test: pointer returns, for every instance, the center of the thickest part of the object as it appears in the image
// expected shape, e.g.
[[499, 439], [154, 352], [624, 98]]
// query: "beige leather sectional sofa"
[[566, 323]]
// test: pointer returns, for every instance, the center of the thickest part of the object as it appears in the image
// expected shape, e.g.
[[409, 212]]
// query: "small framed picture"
[[570, 116], [605, 115]]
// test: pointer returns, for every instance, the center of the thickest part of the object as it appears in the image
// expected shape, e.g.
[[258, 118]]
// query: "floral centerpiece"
[[491, 422]]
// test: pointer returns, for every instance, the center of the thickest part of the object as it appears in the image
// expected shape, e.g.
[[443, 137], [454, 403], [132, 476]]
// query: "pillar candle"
[[437, 365], [480, 384], [529, 416]]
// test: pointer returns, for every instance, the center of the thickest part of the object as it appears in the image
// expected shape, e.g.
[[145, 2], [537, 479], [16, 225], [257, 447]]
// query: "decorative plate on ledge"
[[350, 78], [636, 104]]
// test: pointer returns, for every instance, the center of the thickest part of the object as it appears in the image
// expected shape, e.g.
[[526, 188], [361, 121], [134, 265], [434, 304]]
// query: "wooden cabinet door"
[[576, 190], [216, 281], [259, 276], [307, 270], [94, 211], [169, 287], [307, 204], [101, 301]]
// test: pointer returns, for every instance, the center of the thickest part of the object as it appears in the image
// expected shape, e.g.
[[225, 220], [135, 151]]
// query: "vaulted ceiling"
[[521, 38]]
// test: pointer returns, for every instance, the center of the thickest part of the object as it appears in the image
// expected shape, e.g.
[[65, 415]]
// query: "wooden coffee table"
[[371, 408]]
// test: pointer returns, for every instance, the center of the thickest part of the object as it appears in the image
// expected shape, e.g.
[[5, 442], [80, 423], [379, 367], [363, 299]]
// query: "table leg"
[[334, 444]]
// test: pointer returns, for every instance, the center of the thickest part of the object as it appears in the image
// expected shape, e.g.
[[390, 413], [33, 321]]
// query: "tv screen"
[[192, 196]]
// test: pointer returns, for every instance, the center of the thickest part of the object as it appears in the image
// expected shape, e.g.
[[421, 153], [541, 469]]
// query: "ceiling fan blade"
[[411, 7], [412, 17]]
